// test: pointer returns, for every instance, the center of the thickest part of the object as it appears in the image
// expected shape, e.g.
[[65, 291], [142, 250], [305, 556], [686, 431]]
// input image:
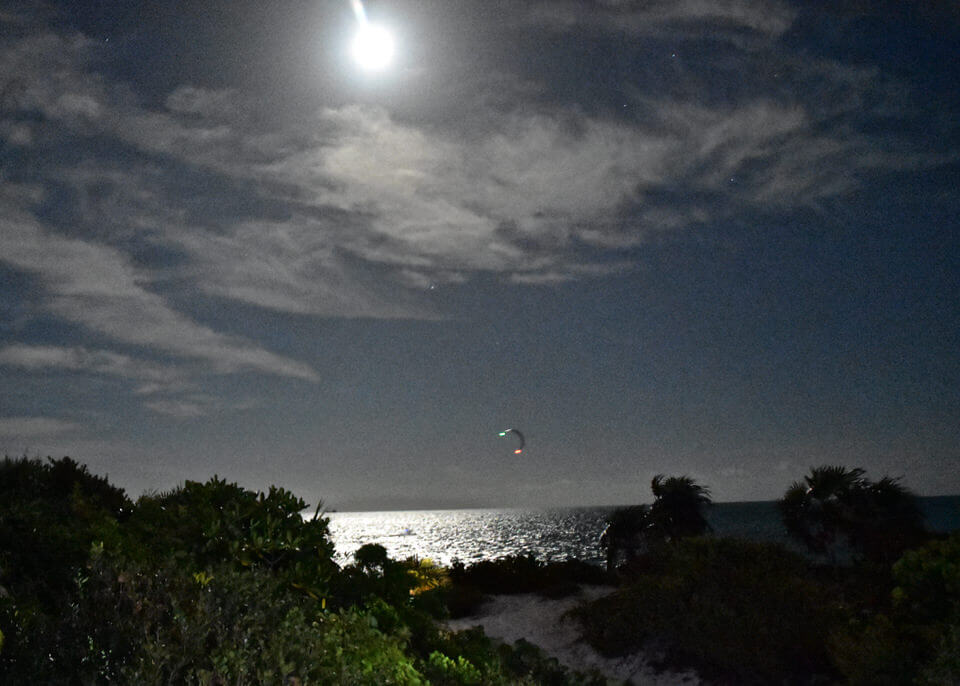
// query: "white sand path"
[[541, 622]]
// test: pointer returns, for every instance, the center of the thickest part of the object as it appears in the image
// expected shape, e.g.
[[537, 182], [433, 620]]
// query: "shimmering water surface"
[[555, 534], [470, 535]]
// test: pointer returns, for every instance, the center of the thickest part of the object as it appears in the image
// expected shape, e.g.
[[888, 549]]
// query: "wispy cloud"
[[151, 377], [194, 406], [29, 428], [766, 17], [97, 287]]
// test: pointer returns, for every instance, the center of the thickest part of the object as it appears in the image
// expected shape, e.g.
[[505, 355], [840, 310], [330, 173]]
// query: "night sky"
[[709, 237]]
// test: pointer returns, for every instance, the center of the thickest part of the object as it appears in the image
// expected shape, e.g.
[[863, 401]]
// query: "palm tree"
[[888, 521], [835, 508], [815, 510], [676, 512], [678, 505]]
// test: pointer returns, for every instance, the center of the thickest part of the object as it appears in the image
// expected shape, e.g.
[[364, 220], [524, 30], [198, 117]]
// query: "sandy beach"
[[541, 621]]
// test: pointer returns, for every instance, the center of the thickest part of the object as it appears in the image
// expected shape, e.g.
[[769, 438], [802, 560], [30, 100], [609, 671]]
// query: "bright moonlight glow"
[[373, 47]]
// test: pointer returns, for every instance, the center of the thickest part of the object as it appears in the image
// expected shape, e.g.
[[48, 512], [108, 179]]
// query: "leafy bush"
[[445, 671], [227, 625], [928, 581], [374, 574], [461, 655], [51, 513], [915, 638], [516, 574], [216, 521], [731, 609], [240, 627]]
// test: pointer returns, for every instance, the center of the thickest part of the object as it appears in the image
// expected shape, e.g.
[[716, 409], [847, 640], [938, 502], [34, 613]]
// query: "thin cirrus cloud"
[[152, 377], [25, 428], [767, 18], [97, 287], [165, 389]]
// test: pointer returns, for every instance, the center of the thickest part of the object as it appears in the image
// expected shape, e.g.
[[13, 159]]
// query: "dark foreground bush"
[[737, 611], [469, 585], [50, 513], [915, 639]]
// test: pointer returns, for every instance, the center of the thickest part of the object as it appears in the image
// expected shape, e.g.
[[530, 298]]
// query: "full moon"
[[373, 47]]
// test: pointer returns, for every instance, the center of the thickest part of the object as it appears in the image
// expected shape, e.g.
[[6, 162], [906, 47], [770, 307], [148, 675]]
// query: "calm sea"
[[550, 534]]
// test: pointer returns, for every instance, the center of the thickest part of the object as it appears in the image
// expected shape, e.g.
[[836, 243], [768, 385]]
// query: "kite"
[[519, 435]]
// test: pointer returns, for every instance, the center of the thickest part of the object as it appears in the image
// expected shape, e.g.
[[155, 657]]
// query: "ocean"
[[551, 534]]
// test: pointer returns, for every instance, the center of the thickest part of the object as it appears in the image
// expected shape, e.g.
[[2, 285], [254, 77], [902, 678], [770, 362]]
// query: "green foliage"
[[944, 667], [510, 574], [525, 574], [242, 627], [229, 625], [498, 664], [874, 651], [734, 609], [205, 524], [51, 513], [915, 638], [445, 671], [209, 583], [374, 574], [928, 581]]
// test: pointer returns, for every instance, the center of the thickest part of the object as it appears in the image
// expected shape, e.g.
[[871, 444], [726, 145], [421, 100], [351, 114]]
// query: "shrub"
[[928, 581], [203, 524], [498, 664], [50, 513], [731, 609], [915, 638], [228, 625], [469, 585], [525, 574], [445, 671]]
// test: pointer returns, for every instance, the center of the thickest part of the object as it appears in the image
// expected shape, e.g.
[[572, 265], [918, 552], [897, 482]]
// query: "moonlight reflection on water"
[[471, 535], [554, 534]]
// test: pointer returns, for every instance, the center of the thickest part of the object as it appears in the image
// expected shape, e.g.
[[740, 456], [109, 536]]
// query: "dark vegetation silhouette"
[[676, 512], [835, 511], [876, 600], [210, 583]]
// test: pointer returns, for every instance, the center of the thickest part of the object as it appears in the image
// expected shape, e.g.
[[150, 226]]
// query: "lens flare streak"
[[372, 46], [359, 11]]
